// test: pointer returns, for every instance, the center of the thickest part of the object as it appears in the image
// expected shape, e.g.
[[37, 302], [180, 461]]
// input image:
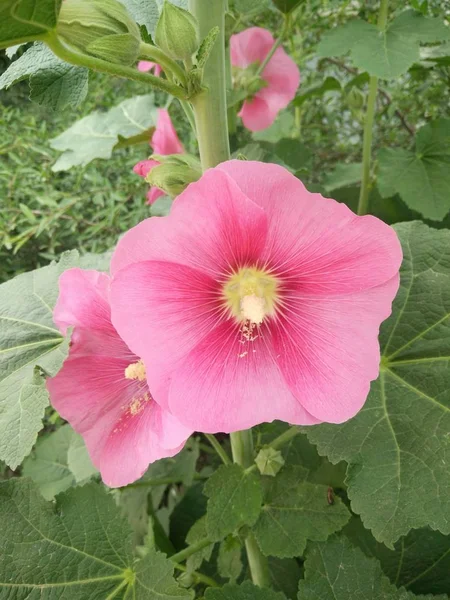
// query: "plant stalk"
[[218, 448], [363, 203], [242, 449], [210, 105], [190, 550], [97, 64], [154, 54]]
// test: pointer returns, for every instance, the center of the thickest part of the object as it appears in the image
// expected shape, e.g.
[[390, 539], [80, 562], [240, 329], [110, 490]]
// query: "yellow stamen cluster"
[[250, 294], [136, 371]]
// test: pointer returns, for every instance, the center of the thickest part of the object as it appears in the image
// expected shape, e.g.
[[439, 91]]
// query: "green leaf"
[[47, 465], [96, 135], [285, 574], [249, 7], [335, 569], [229, 560], [397, 446], [144, 12], [330, 84], [206, 46], [420, 561], [282, 128], [26, 20], [342, 176], [287, 6], [78, 459], [436, 54], [78, 548], [246, 591], [53, 82], [235, 499], [197, 533], [29, 345], [421, 178], [389, 53], [295, 511]]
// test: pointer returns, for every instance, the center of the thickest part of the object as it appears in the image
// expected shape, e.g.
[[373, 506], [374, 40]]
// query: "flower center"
[[136, 371], [250, 295]]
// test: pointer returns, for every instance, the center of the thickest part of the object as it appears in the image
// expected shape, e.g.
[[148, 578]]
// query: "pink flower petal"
[[250, 46], [144, 167], [146, 65], [165, 139], [283, 78], [257, 114], [322, 241], [328, 350], [123, 427], [153, 194], [227, 383], [236, 229]]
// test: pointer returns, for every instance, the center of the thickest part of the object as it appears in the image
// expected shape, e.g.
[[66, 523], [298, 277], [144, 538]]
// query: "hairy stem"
[[199, 577], [210, 105], [97, 64], [154, 54], [242, 448], [190, 550], [363, 203]]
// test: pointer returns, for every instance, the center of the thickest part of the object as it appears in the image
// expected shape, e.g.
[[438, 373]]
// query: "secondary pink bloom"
[[101, 389], [281, 75], [256, 300], [164, 141], [146, 65]]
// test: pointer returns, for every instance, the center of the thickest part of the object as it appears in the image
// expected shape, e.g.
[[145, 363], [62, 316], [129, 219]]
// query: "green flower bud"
[[101, 28], [177, 32], [175, 173], [269, 461], [355, 99]]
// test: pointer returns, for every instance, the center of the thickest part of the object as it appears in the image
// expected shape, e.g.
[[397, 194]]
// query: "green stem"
[[363, 204], [190, 550], [277, 43], [218, 448], [210, 106], [147, 51], [199, 577], [242, 448], [97, 64]]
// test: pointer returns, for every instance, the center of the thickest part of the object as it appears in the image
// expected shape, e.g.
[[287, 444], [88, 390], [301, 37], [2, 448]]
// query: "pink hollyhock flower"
[[101, 389], [281, 75], [164, 141], [146, 65], [256, 300]]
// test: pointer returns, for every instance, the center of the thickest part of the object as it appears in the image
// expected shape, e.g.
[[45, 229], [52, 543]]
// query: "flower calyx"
[[174, 173]]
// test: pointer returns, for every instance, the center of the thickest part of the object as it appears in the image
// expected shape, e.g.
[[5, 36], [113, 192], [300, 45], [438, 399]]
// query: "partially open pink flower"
[[101, 389], [256, 300], [281, 75], [164, 141], [146, 65]]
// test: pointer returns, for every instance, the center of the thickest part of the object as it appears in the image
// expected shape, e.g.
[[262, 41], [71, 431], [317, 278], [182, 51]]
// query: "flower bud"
[[355, 99], [177, 32], [100, 28], [175, 173], [269, 461]]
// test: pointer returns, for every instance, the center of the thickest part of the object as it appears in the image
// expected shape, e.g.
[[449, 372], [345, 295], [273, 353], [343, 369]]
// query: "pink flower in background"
[[146, 65], [101, 389], [256, 300], [281, 75], [164, 141]]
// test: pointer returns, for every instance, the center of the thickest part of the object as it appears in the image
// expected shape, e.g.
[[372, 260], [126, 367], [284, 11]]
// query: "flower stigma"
[[250, 295], [136, 371]]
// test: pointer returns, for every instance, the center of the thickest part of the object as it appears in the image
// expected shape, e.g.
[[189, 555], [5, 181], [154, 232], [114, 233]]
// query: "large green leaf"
[[389, 53], [420, 561], [26, 20], [144, 12], [246, 591], [30, 345], [96, 135], [422, 177], [79, 548], [294, 511], [335, 569], [53, 82], [235, 499], [398, 445], [58, 461]]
